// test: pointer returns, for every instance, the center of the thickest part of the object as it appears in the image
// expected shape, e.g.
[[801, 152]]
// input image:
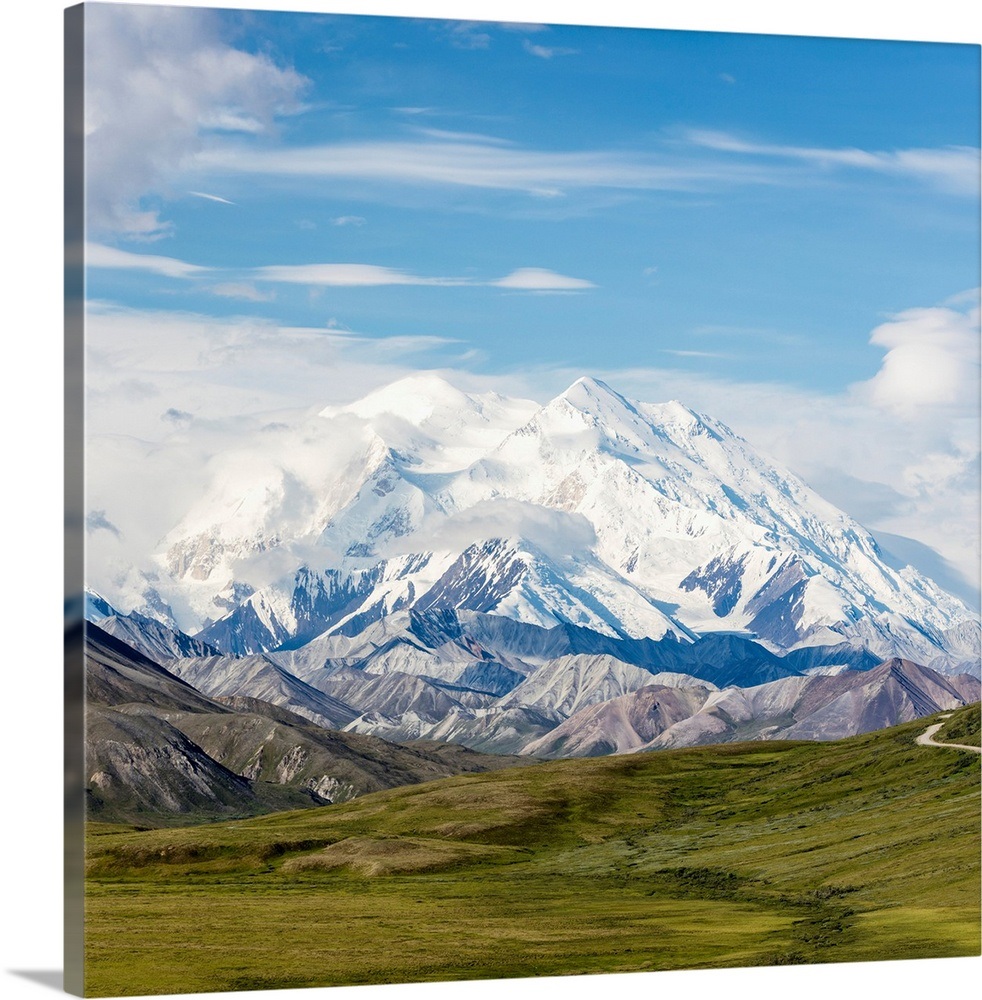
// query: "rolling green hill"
[[964, 726], [737, 854]]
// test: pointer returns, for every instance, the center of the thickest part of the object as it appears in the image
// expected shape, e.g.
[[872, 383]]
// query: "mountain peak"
[[586, 386], [589, 395], [414, 397]]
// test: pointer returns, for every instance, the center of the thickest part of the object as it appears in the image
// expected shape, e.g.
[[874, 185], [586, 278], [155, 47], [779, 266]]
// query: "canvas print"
[[530, 488]]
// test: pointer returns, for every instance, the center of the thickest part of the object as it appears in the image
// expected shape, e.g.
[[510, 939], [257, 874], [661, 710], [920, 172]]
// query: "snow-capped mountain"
[[635, 521], [694, 518]]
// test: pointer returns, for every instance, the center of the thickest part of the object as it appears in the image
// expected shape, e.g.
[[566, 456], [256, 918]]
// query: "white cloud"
[[181, 80], [244, 290], [211, 197], [483, 164], [555, 532], [101, 256], [365, 275], [468, 35], [932, 363], [694, 354], [323, 275], [169, 393], [142, 362], [545, 51], [954, 169], [448, 135], [902, 461], [694, 164], [348, 220], [346, 275], [539, 279]]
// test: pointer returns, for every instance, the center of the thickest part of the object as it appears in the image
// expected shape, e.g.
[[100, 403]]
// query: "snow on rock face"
[[430, 424], [692, 516], [628, 518]]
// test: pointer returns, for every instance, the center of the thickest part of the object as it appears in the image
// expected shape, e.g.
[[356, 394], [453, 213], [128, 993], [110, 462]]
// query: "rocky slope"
[[159, 751]]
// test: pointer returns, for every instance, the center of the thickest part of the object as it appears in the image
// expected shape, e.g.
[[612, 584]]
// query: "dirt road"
[[926, 739]]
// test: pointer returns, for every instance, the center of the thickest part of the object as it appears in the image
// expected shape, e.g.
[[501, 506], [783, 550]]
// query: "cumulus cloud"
[[182, 80], [932, 362]]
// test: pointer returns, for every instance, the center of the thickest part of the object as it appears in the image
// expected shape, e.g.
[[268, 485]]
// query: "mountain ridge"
[[433, 556]]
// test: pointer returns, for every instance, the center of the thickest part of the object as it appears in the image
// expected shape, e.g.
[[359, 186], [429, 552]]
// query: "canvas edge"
[[74, 555]]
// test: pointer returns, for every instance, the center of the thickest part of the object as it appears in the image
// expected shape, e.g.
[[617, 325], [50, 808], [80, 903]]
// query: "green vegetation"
[[727, 855], [964, 726]]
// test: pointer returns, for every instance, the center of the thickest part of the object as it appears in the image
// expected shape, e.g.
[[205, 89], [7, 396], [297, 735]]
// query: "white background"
[[30, 489]]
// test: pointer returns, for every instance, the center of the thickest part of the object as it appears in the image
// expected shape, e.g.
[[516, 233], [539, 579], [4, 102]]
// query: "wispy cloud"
[[101, 256], [175, 416], [701, 161], [485, 164], [468, 35], [346, 275], [244, 290], [539, 279], [348, 220], [365, 275], [748, 333], [211, 197], [954, 169], [447, 135], [96, 520], [547, 52], [336, 275], [694, 354]]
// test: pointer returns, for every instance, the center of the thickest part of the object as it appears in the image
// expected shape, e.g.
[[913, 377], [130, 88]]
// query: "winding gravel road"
[[926, 739]]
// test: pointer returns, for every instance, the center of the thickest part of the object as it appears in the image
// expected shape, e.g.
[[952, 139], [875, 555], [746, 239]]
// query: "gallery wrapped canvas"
[[522, 484]]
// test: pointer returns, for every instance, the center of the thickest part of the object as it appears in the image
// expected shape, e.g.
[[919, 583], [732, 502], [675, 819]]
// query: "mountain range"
[[158, 750], [593, 575]]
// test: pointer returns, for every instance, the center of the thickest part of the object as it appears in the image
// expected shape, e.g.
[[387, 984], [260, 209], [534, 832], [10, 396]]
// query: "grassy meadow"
[[739, 854]]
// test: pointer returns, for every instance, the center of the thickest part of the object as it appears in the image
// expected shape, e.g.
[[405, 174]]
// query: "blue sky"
[[289, 210], [747, 204]]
